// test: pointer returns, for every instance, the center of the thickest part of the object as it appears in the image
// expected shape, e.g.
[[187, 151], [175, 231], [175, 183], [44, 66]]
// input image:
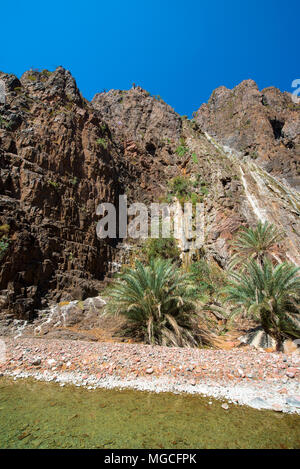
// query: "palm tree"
[[256, 243], [158, 301], [270, 294]]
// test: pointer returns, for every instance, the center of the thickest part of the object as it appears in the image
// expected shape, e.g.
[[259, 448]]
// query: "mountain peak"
[[263, 124]]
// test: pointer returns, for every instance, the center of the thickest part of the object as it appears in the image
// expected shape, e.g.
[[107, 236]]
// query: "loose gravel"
[[244, 376]]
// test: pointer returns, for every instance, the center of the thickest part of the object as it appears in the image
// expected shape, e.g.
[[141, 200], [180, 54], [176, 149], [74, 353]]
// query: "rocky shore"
[[243, 376]]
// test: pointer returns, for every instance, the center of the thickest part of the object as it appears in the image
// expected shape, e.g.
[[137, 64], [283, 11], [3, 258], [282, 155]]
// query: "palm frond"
[[158, 300]]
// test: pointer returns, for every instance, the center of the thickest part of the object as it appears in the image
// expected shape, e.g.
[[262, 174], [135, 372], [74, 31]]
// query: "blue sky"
[[180, 50]]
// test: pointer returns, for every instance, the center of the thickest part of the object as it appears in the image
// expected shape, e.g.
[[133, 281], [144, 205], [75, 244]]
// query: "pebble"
[[293, 401], [259, 403], [215, 373], [51, 362]]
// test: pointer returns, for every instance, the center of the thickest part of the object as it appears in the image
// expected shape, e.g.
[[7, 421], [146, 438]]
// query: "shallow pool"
[[45, 415]]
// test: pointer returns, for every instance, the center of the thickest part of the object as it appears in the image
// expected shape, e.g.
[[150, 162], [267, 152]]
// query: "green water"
[[43, 415]]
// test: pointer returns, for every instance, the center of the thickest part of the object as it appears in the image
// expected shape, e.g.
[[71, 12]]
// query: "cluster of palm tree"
[[158, 299], [261, 285], [257, 244]]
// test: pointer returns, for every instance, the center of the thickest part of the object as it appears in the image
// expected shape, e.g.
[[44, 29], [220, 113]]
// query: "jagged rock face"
[[262, 124], [61, 156], [147, 130], [53, 175], [59, 160], [151, 133]]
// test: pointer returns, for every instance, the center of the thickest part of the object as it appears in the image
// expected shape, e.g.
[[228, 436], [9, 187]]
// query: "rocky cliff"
[[265, 125], [61, 156], [53, 174]]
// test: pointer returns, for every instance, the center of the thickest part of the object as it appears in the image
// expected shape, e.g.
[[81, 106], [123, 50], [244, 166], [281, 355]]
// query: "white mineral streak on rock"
[[269, 198], [20, 327]]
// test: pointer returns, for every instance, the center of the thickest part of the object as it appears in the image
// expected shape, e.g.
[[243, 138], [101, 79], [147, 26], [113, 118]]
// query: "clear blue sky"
[[180, 50]]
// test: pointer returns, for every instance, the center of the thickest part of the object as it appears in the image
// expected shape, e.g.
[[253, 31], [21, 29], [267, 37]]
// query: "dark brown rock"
[[53, 176], [265, 125]]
